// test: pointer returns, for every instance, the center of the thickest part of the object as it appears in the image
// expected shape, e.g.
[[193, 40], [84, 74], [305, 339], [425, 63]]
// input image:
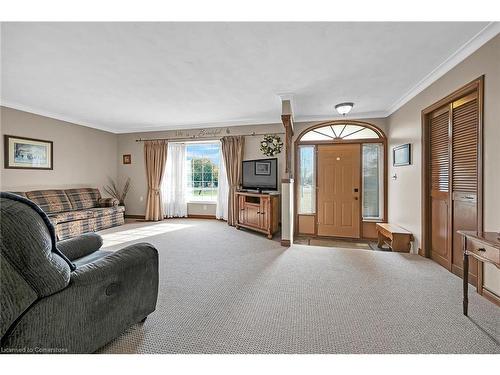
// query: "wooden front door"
[[339, 190]]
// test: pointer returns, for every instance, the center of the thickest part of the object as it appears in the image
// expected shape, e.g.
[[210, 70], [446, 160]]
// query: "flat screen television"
[[261, 174]]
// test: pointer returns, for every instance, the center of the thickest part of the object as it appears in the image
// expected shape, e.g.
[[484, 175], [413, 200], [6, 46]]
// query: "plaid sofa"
[[77, 211]]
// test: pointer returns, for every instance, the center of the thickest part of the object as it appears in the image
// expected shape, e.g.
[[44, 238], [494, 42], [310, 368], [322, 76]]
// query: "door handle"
[[481, 249], [355, 198]]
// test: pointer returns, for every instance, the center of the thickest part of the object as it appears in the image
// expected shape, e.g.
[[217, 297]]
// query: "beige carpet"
[[229, 291]]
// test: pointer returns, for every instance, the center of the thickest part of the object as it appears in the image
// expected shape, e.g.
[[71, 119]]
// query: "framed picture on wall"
[[27, 153], [401, 155]]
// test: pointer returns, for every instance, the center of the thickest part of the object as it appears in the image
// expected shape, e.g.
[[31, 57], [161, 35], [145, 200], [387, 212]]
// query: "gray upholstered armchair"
[[67, 297]]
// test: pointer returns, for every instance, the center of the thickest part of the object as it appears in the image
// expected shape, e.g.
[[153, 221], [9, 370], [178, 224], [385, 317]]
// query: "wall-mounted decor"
[[271, 145], [127, 159], [401, 155], [27, 153], [262, 168]]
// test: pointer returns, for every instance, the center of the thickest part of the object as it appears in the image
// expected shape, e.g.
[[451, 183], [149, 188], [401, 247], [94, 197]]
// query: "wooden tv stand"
[[259, 212]]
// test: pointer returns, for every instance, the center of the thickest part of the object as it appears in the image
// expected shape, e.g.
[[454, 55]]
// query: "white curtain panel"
[[223, 190], [174, 184]]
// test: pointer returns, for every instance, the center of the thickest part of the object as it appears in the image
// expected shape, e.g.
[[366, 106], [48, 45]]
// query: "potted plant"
[[120, 194]]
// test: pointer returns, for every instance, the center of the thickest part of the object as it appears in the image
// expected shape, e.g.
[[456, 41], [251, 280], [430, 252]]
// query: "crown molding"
[[56, 116], [196, 126], [286, 96], [478, 40], [191, 126], [253, 122], [350, 116]]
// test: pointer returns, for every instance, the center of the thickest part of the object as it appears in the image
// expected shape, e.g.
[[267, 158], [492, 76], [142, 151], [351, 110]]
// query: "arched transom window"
[[340, 132]]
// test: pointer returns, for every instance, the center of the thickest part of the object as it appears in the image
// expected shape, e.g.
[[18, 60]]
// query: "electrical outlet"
[[141, 199], [204, 207]]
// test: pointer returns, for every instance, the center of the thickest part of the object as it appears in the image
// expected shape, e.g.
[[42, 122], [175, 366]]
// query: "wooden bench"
[[396, 237]]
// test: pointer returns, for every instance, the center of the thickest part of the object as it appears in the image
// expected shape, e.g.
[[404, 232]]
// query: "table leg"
[[466, 282], [380, 241]]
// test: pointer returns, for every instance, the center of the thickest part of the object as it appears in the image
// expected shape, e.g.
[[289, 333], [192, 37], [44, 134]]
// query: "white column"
[[287, 213]]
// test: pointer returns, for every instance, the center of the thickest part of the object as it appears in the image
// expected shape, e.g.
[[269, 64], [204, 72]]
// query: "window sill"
[[373, 220], [201, 202]]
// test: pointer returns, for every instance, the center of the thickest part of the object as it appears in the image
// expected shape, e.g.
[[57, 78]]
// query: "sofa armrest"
[[108, 202], [80, 246]]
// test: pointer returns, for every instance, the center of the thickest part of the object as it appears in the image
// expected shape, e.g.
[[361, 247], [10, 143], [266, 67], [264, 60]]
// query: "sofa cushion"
[[83, 198], [62, 217], [105, 211], [74, 228], [108, 202], [108, 221], [50, 201]]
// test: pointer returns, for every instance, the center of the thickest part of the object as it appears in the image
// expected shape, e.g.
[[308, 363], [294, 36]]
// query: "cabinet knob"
[[481, 249]]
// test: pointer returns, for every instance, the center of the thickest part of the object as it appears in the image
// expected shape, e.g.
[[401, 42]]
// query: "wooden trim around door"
[[298, 142]]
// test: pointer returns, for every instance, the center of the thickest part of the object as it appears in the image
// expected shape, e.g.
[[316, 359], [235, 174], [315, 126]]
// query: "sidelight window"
[[307, 180], [373, 181]]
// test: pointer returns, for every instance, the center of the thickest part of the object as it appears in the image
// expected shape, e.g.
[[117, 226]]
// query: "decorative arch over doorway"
[[357, 137]]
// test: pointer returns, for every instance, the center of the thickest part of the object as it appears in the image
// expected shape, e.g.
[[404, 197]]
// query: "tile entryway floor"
[[344, 244]]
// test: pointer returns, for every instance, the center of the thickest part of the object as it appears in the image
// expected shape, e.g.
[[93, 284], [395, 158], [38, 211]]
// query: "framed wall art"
[[28, 153], [401, 155]]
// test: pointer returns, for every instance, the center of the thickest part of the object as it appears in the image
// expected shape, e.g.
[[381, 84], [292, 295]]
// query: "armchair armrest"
[[80, 246], [113, 266], [108, 202]]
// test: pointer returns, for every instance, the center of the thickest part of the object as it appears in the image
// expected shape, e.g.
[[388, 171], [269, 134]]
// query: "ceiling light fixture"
[[344, 108]]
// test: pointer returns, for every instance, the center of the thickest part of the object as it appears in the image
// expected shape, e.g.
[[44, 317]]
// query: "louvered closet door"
[[465, 133], [440, 186]]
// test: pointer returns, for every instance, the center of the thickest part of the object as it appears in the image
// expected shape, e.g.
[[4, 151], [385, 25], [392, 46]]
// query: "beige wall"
[[83, 157], [405, 126], [136, 199]]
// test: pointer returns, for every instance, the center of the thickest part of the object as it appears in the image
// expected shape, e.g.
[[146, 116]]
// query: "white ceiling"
[[127, 77]]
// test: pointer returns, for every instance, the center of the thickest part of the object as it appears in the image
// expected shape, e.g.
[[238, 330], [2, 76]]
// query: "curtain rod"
[[197, 137]]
